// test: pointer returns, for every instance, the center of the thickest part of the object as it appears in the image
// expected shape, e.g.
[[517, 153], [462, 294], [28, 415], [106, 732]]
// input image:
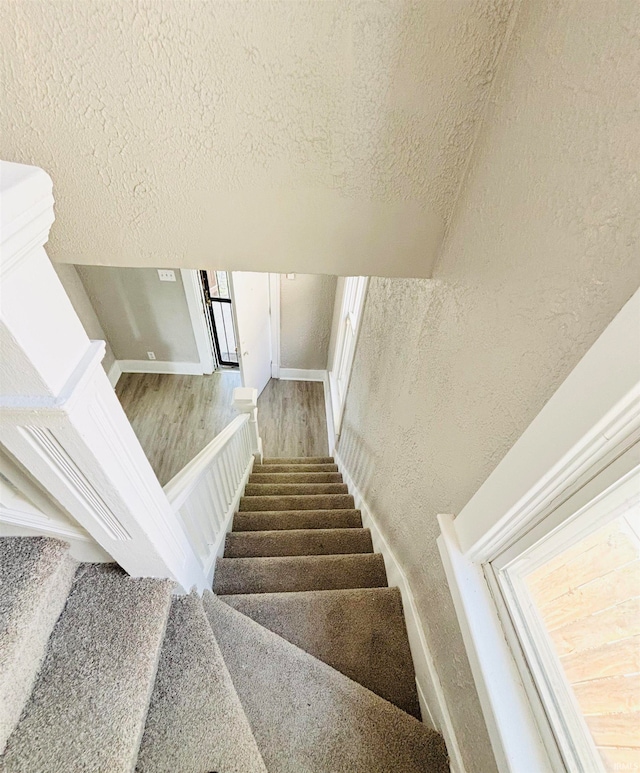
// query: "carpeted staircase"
[[298, 662]]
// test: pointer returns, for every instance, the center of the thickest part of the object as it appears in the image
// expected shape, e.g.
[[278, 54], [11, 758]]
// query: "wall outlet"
[[151, 355], [166, 275], [291, 276]]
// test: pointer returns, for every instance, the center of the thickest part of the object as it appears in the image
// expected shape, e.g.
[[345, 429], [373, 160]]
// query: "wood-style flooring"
[[292, 419], [174, 417]]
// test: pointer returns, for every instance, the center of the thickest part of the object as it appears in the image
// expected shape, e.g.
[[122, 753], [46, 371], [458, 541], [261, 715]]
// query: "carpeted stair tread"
[[35, 577], [88, 706], [297, 542], [309, 718], [298, 502], [295, 477], [273, 468], [269, 520], [195, 721], [286, 574], [361, 633], [289, 489], [298, 460]]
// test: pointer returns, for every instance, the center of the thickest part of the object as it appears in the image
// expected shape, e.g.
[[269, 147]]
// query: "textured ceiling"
[[309, 136]]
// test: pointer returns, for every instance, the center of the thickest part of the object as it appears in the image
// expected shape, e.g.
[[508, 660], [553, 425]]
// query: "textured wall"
[[542, 253], [298, 136], [306, 312], [84, 309], [139, 313]]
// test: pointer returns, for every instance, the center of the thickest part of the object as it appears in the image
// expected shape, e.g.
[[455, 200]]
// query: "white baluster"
[[245, 400]]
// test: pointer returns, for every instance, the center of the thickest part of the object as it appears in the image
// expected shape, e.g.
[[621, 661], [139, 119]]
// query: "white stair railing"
[[206, 492]]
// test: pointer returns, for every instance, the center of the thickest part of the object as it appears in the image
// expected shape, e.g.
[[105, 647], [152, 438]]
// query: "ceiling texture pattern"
[[287, 136]]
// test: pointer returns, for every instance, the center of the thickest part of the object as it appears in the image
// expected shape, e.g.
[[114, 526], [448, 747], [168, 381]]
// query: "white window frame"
[[614, 490], [588, 423], [351, 313]]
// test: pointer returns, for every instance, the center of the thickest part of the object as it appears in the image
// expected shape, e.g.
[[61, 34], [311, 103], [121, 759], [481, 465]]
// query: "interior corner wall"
[[541, 255], [81, 302], [139, 313], [306, 314]]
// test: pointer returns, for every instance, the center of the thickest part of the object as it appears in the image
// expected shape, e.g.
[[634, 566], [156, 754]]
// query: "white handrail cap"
[[245, 398]]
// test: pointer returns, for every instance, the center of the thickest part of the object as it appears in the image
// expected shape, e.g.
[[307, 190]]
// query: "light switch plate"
[[291, 276], [167, 275]]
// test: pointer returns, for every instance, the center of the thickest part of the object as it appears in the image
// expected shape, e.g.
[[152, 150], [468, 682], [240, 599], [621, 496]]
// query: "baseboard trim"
[[114, 373], [434, 708], [160, 366], [18, 523], [301, 374]]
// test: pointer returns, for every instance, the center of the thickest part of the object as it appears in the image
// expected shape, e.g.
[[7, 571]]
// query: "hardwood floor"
[[174, 417], [292, 419]]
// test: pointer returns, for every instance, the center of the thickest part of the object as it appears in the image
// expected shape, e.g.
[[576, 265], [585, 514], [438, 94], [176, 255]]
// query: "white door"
[[251, 304], [355, 288]]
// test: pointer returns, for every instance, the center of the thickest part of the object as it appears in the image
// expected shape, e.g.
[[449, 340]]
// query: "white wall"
[[139, 313], [541, 255], [84, 309], [310, 136], [306, 312]]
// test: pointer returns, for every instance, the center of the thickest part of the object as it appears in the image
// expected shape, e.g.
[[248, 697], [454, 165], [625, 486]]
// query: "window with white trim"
[[569, 594]]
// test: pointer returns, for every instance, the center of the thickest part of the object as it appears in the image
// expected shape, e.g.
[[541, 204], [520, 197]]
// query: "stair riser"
[[297, 519], [288, 575], [276, 468], [296, 477], [361, 633], [293, 489], [297, 543], [298, 460], [312, 502]]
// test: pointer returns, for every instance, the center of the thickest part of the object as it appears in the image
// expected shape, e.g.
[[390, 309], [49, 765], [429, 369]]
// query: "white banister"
[[206, 492], [59, 416], [245, 400]]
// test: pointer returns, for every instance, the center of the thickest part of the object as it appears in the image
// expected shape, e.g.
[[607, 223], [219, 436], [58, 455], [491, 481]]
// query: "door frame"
[[197, 313], [274, 309], [338, 401]]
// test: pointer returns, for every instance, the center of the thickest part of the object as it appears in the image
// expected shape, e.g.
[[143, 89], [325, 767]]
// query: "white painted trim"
[[301, 374], [218, 549], [355, 289], [274, 310], [512, 727], [114, 373], [432, 700], [16, 523], [160, 366], [593, 411], [590, 420], [195, 303], [331, 433]]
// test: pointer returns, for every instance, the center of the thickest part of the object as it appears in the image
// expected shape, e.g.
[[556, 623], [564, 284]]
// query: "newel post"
[[59, 416], [245, 400]]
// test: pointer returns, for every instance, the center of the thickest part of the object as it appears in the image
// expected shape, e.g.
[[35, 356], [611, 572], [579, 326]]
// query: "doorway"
[[217, 297]]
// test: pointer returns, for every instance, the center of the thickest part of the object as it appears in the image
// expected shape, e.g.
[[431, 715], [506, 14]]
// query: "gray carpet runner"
[[35, 578], [297, 573], [300, 665], [195, 722], [272, 520], [361, 633], [309, 718], [297, 542], [88, 705]]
